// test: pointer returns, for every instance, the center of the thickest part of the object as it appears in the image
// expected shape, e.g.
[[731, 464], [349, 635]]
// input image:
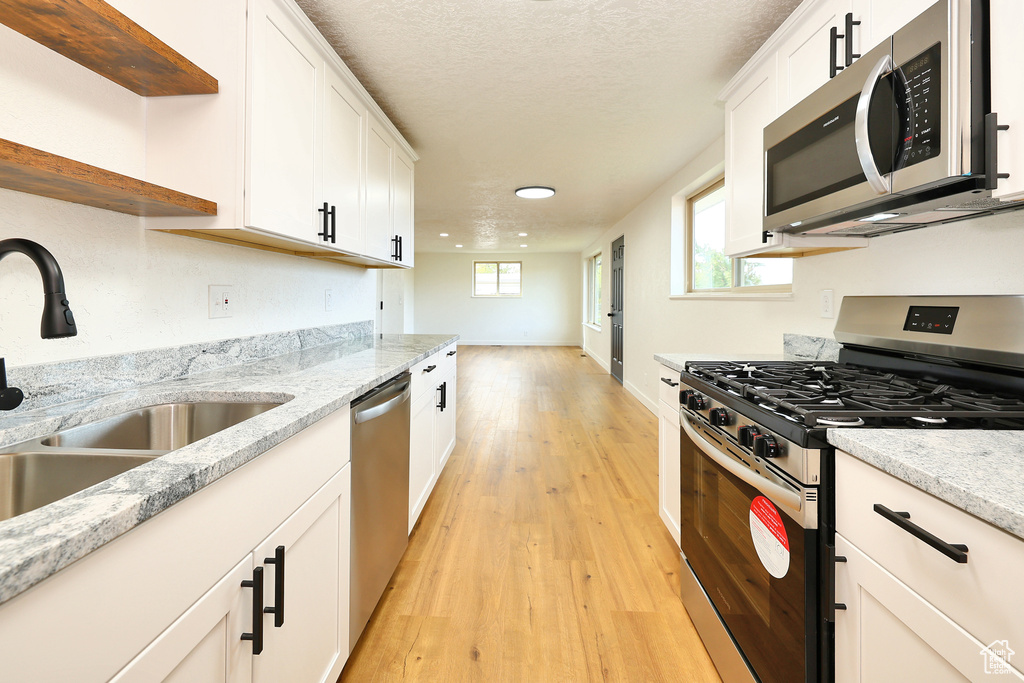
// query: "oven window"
[[772, 619]]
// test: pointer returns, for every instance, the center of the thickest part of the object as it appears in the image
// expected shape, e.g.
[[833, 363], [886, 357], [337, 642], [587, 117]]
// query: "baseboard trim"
[[600, 361], [639, 395]]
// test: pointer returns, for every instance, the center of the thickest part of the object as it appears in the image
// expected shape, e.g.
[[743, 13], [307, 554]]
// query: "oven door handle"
[[861, 134], [775, 492]]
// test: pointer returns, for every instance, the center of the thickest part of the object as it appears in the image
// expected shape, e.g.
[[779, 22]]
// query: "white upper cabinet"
[[804, 56], [1007, 97], [379, 157], [344, 121], [879, 19], [284, 169], [747, 112], [403, 209]]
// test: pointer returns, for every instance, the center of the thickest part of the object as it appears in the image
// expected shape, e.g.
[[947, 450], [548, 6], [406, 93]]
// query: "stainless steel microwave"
[[898, 140]]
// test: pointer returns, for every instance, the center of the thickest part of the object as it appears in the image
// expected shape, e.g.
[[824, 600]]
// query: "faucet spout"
[[58, 320]]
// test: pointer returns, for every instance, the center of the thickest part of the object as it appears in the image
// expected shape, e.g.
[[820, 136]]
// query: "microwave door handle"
[[876, 180], [770, 489]]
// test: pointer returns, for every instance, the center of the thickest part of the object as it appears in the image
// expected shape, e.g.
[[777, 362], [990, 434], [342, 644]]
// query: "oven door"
[[750, 538], [837, 148]]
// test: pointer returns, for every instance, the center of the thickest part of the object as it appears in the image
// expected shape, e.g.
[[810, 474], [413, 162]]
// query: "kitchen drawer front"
[[984, 595], [447, 357], [668, 386], [424, 377]]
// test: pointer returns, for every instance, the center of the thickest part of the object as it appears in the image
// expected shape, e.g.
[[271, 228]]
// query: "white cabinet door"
[[890, 633], [205, 643], [747, 112], [344, 121], [379, 156], [879, 19], [803, 58], [1007, 96], [444, 435], [421, 454], [284, 165], [668, 467], [404, 195], [311, 645]]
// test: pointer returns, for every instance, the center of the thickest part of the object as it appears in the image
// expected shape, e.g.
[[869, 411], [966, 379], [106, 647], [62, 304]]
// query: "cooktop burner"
[[830, 394]]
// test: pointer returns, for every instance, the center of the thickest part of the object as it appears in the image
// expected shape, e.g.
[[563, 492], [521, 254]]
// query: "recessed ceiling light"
[[522, 245], [444, 234], [522, 234], [458, 246], [535, 192]]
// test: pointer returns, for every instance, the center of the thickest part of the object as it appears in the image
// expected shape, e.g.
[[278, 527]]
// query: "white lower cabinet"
[[432, 432], [911, 612], [669, 450], [165, 601]]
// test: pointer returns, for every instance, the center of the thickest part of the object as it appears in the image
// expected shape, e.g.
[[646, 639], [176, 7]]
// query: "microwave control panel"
[[921, 115]]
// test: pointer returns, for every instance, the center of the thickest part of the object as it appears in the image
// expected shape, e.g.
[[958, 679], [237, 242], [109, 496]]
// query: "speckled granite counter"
[[312, 382], [795, 347], [677, 360], [979, 471]]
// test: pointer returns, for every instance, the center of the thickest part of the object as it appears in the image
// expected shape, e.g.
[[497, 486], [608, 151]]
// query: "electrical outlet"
[[222, 301], [328, 299], [828, 304]]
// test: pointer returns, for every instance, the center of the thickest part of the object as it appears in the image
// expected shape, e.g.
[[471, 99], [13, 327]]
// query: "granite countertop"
[[312, 383], [978, 471]]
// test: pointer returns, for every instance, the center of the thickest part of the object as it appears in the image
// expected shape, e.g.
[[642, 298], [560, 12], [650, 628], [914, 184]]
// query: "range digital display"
[[933, 319]]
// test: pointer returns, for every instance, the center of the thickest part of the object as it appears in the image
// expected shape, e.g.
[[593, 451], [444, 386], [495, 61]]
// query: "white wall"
[[548, 313], [971, 257], [131, 289]]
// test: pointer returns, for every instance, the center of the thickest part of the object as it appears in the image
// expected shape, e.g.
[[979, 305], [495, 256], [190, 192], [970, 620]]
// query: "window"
[[497, 278], [594, 290], [710, 270]]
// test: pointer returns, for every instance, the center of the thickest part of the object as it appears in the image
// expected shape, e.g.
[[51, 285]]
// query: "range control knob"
[[719, 417], [746, 435], [684, 396], [696, 402], [765, 446]]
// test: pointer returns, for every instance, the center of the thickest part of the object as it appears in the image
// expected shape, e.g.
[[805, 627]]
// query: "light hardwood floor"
[[540, 555]]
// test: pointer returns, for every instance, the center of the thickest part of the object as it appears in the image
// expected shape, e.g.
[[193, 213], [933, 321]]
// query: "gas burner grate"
[[816, 393]]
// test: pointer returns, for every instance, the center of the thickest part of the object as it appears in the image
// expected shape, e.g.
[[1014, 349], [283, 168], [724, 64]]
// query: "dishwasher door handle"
[[370, 412]]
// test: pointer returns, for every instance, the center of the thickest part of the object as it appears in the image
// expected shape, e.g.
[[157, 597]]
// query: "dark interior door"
[[618, 248]]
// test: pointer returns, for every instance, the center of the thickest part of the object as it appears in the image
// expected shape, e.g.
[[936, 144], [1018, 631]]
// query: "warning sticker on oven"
[[769, 536]]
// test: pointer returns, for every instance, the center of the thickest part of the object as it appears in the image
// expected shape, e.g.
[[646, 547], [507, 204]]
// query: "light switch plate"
[[828, 303]]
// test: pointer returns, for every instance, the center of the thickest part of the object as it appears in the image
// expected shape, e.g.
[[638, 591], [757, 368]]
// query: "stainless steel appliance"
[[380, 495], [902, 138], [757, 484]]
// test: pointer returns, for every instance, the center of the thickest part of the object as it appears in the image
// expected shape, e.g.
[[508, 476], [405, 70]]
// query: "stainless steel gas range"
[[757, 482]]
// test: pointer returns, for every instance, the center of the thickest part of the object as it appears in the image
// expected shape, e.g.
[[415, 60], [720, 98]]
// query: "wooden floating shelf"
[[101, 39], [30, 170]]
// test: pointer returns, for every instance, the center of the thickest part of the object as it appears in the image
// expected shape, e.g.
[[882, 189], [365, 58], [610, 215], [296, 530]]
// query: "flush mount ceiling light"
[[535, 192], [458, 246], [522, 245], [444, 234], [522, 234]]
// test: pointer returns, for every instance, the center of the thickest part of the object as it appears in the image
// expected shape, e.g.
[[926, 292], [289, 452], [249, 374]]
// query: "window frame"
[[736, 262], [497, 294], [592, 315]]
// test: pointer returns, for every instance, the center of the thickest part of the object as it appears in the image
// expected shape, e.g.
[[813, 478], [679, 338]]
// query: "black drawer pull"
[[451, 353], [430, 368], [278, 609], [256, 635], [669, 382], [954, 551]]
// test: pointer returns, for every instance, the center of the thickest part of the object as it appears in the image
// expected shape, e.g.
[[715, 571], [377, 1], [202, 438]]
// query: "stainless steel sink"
[[158, 428], [32, 479], [44, 470]]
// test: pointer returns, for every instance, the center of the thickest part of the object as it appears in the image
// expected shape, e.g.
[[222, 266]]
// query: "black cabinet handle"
[[954, 551], [401, 250], [669, 382], [443, 388], [992, 174], [850, 23], [451, 353], [256, 635], [430, 368], [833, 53], [396, 248], [278, 609], [328, 233]]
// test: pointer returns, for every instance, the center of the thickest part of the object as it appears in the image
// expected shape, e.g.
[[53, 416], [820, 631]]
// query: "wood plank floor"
[[540, 555]]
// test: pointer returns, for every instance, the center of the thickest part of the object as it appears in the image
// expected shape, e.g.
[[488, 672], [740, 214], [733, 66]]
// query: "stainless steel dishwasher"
[[380, 495]]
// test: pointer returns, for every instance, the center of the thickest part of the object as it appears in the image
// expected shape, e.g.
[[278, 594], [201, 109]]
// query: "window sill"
[[736, 296], [596, 328]]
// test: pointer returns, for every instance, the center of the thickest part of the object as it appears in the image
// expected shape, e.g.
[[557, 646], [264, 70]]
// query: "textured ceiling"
[[600, 99]]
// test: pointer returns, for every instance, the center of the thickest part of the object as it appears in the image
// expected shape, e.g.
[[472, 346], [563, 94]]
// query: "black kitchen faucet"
[[58, 320]]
